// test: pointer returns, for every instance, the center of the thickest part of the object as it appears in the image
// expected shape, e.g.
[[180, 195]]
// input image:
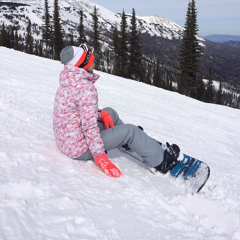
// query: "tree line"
[[190, 80], [124, 57]]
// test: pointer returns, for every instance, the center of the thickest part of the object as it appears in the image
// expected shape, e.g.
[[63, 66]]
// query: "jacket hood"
[[71, 75]]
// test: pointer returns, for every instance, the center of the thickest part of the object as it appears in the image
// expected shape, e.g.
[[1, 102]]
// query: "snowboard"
[[189, 171]]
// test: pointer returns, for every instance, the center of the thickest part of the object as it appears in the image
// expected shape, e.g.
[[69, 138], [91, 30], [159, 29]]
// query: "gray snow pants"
[[150, 151]]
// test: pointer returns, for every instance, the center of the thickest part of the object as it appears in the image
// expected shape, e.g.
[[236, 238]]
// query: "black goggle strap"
[[85, 62]]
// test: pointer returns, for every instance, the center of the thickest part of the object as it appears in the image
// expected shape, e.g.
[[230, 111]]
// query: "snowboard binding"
[[170, 160]]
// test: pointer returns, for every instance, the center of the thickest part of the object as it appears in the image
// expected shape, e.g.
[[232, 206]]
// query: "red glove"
[[107, 166], [107, 120]]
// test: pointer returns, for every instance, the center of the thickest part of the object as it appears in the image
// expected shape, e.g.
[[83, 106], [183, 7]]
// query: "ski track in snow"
[[45, 195]]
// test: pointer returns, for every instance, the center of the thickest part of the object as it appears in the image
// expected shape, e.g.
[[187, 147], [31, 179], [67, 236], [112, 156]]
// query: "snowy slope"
[[45, 195]]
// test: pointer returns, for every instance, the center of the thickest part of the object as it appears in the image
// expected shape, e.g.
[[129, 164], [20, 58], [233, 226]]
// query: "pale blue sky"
[[214, 16]]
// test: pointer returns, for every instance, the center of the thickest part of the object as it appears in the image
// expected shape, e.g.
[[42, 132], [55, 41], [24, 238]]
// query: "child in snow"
[[84, 132]]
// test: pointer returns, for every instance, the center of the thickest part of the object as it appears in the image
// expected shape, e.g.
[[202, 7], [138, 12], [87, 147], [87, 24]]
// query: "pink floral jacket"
[[76, 113]]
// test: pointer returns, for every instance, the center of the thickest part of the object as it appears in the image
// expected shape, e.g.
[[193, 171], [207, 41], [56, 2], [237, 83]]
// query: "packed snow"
[[46, 195]]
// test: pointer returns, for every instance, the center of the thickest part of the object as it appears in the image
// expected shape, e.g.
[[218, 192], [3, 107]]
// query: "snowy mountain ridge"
[[69, 13], [160, 36]]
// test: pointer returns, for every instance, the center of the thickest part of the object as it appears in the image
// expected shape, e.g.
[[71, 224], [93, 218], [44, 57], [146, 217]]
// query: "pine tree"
[[81, 38], [220, 94], [190, 52], [16, 41], [35, 52], [8, 43], [209, 92], [11, 38], [57, 33], [72, 42], [157, 79], [29, 39], [167, 85], [3, 36], [148, 74], [47, 34], [201, 87], [116, 50], [51, 44], [238, 102], [170, 84], [123, 48], [40, 49], [95, 40], [136, 70]]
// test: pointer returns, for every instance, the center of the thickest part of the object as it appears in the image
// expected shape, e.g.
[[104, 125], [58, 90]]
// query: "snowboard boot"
[[171, 155]]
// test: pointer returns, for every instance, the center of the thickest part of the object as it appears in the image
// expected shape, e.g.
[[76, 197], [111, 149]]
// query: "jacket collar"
[[84, 74]]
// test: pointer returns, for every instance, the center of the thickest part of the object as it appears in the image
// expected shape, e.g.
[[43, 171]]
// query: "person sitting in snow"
[[85, 132]]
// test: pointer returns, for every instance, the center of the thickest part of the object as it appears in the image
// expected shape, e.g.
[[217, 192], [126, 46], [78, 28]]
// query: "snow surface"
[[46, 195]]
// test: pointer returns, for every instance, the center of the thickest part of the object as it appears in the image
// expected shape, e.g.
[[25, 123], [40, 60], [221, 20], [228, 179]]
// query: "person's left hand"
[[107, 120]]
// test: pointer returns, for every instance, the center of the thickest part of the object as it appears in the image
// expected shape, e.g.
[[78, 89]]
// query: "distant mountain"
[[232, 43], [17, 12], [161, 38], [222, 38]]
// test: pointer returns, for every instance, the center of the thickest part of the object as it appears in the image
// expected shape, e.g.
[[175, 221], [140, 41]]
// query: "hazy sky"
[[214, 16]]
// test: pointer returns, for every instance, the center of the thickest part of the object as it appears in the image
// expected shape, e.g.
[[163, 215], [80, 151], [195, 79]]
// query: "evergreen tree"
[[170, 84], [72, 39], [51, 45], [11, 38], [16, 41], [238, 102], [3, 36], [201, 87], [40, 49], [58, 43], [190, 52], [157, 79], [81, 38], [209, 93], [47, 34], [148, 74], [36, 49], [29, 39], [136, 70], [116, 50], [95, 40], [21, 43], [123, 48], [220, 94], [167, 84], [8, 43], [109, 56]]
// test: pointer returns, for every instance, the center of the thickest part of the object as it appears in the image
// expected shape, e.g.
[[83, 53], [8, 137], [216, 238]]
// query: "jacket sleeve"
[[88, 111]]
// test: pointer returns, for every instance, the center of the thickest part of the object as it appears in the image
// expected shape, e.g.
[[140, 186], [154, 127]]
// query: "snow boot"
[[171, 155]]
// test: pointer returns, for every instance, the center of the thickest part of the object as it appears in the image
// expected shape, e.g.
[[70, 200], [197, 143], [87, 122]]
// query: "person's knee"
[[110, 111], [132, 128], [114, 115]]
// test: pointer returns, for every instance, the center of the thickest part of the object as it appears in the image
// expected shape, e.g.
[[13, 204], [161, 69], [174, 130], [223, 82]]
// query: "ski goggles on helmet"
[[89, 56], [86, 48]]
